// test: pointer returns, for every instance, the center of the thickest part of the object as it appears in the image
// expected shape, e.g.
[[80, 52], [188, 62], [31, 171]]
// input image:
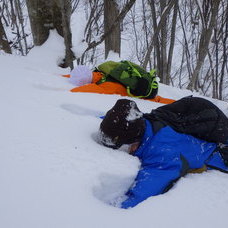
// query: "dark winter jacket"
[[194, 116], [164, 156]]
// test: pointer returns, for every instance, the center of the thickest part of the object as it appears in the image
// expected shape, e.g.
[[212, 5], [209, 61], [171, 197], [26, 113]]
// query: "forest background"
[[184, 40]]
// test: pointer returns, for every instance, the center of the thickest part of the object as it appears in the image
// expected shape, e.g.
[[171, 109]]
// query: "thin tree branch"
[[163, 17]]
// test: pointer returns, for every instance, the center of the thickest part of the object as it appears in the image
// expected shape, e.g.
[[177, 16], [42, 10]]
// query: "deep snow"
[[53, 173]]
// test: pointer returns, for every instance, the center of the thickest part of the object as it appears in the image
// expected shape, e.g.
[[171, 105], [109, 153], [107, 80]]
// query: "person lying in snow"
[[170, 141], [92, 82]]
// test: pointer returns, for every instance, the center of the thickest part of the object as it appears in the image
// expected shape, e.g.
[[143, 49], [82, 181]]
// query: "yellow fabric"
[[200, 170]]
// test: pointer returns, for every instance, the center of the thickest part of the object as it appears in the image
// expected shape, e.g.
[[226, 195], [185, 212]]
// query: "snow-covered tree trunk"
[[53, 14], [40, 19]]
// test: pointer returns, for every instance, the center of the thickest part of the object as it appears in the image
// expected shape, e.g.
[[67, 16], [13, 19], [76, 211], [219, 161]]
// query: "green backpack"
[[138, 82]]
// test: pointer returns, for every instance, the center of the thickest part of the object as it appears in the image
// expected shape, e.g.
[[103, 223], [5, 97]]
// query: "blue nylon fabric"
[[161, 163]]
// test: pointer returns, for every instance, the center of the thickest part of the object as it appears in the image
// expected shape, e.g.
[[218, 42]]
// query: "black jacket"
[[194, 116]]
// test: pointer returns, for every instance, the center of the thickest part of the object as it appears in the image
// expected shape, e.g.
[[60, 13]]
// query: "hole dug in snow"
[[111, 189]]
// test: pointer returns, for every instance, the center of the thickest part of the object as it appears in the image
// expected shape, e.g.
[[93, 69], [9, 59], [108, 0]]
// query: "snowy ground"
[[53, 174]]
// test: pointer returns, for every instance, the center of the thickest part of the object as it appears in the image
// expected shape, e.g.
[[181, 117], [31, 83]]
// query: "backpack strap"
[[153, 86], [106, 78]]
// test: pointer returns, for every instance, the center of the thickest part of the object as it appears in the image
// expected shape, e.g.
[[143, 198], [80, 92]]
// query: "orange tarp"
[[111, 88]]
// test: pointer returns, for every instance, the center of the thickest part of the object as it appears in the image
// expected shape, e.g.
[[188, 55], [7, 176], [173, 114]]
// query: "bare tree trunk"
[[66, 13], [4, 44], [225, 58], [186, 49], [156, 40], [172, 42], [204, 43], [164, 31], [146, 30], [216, 60], [214, 79], [112, 42]]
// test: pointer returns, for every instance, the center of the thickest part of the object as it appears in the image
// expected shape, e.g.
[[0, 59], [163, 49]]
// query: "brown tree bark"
[[113, 41], [115, 23]]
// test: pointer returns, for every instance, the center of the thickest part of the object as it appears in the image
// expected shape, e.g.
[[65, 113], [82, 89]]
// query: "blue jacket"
[[161, 161]]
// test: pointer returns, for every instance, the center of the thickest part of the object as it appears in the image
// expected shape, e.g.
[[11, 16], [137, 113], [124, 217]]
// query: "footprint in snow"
[[79, 110]]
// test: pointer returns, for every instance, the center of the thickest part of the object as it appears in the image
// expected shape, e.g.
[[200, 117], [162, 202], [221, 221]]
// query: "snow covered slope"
[[53, 174]]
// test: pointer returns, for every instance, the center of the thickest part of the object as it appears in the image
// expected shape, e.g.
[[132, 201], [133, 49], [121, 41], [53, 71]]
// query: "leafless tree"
[[172, 42], [13, 20], [159, 38], [74, 4], [208, 17], [186, 41], [94, 28], [115, 23]]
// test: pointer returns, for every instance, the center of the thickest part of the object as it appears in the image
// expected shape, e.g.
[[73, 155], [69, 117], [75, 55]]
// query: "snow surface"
[[53, 173]]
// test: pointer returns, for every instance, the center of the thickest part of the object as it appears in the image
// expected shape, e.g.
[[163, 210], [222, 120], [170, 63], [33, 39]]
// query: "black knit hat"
[[123, 124]]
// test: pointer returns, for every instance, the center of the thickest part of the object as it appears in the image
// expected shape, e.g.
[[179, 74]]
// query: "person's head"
[[80, 75], [122, 124]]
